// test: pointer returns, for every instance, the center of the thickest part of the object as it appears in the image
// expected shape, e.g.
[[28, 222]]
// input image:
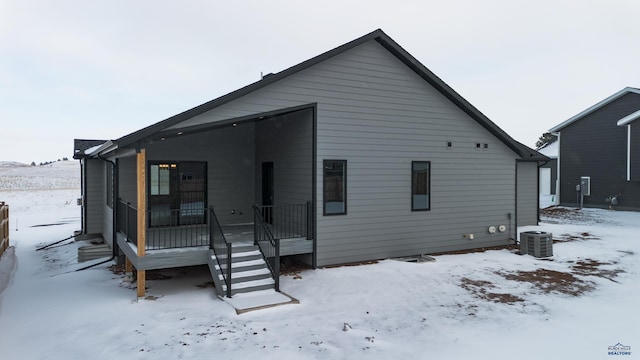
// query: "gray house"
[[599, 149], [360, 153]]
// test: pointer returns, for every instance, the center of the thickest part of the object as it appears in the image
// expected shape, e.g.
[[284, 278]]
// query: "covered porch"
[[257, 173]]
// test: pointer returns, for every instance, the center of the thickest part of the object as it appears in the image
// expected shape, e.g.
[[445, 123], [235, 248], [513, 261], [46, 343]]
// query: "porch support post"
[[141, 166], [128, 270]]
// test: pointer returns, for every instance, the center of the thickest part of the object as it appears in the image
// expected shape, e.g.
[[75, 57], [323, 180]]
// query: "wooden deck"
[[189, 246]]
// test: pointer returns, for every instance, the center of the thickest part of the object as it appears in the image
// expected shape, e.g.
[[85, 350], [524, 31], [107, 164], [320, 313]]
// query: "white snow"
[[389, 310], [550, 149]]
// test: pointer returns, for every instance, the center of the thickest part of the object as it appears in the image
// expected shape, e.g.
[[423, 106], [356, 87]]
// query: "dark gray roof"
[[81, 145], [378, 35]]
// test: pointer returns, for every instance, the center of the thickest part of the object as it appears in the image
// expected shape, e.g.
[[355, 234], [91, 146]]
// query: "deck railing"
[[221, 248], [169, 229], [4, 227], [177, 228], [127, 221], [288, 221], [268, 244]]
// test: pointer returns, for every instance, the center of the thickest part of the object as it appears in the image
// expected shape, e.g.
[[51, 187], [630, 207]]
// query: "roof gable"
[[378, 36], [593, 108]]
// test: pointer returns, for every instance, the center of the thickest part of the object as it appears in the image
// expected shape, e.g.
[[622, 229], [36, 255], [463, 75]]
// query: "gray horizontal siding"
[[378, 115], [127, 180], [471, 189], [95, 195]]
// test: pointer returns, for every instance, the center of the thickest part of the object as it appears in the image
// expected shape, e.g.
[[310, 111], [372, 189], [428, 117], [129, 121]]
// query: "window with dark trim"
[[334, 195], [110, 185], [420, 187]]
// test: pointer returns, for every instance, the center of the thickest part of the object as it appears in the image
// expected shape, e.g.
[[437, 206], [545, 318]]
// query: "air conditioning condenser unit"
[[536, 243]]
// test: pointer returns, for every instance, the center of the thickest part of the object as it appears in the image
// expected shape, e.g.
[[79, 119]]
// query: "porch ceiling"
[[176, 131]]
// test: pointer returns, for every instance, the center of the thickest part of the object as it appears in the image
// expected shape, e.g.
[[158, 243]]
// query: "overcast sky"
[[103, 69]]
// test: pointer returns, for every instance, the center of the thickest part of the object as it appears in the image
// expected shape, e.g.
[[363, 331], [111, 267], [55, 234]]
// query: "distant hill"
[[56, 175], [4, 164]]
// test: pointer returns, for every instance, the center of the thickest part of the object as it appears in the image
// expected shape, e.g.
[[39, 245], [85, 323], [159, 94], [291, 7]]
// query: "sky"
[[103, 69]]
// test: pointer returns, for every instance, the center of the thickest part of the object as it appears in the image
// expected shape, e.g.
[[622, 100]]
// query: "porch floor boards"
[[189, 246]]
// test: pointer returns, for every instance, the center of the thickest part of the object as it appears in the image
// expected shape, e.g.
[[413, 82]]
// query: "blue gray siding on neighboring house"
[[379, 115], [595, 146], [528, 198]]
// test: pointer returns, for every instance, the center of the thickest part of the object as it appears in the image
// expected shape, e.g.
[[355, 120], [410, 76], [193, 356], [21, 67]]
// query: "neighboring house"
[[599, 149], [358, 154], [549, 170]]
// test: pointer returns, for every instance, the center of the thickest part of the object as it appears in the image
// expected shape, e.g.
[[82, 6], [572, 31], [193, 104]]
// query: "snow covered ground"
[[486, 305]]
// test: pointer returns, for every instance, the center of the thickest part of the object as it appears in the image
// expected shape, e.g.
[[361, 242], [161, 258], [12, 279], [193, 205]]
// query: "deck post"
[[4, 227], [128, 269], [141, 165]]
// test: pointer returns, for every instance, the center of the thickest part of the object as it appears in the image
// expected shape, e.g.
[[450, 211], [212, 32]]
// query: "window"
[[160, 175], [420, 179], [335, 187]]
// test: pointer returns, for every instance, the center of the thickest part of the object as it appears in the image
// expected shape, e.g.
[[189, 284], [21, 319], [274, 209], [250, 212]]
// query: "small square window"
[[478, 146], [449, 144], [486, 146]]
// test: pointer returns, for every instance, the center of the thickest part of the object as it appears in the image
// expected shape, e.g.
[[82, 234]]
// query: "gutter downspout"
[[629, 152], [557, 134], [515, 229]]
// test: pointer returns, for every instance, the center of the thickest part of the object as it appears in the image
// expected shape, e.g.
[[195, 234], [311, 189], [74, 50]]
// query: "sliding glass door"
[[177, 193]]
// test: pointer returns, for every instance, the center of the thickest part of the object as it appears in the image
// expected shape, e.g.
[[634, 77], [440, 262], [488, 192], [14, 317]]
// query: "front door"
[[267, 191]]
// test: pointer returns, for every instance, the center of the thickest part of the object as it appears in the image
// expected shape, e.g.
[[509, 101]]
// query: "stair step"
[[250, 286], [242, 264], [241, 259], [236, 281], [249, 271], [248, 275], [249, 266]]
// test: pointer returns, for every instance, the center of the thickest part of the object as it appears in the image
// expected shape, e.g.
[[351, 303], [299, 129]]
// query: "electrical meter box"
[[585, 185]]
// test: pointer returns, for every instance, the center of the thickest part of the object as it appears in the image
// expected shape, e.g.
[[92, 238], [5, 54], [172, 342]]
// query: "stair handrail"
[[261, 224], [214, 242]]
